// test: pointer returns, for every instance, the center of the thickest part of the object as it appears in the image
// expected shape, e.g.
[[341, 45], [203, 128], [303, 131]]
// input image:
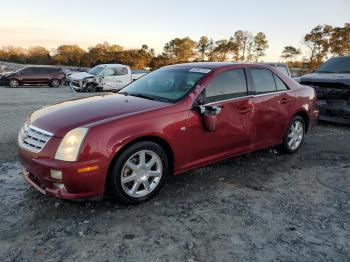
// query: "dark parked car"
[[332, 84], [52, 76], [171, 120]]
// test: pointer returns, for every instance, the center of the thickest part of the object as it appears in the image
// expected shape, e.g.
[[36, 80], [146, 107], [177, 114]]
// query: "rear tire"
[[55, 83], [139, 173], [13, 83], [294, 137]]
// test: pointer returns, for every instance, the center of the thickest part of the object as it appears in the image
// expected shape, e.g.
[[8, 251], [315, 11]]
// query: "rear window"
[[263, 80]]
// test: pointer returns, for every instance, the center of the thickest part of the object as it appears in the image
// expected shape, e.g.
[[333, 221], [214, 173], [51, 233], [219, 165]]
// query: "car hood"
[[61, 118], [80, 75], [329, 78]]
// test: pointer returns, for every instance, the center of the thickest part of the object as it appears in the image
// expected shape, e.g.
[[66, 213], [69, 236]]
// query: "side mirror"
[[209, 116]]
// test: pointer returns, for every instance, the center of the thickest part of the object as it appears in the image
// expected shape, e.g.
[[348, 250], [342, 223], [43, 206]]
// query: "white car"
[[104, 77]]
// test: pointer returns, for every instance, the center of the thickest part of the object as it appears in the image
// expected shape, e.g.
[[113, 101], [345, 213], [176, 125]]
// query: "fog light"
[[59, 186], [56, 174]]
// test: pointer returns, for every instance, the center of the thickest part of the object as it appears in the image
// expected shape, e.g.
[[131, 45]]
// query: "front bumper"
[[77, 184], [4, 81], [74, 86], [337, 111]]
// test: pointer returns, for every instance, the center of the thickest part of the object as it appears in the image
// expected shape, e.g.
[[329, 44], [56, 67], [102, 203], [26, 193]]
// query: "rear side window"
[[120, 71], [283, 69], [42, 70], [263, 80], [229, 84], [281, 86]]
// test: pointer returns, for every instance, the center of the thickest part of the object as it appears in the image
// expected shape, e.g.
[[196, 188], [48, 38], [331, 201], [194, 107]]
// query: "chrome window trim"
[[248, 96], [230, 99], [272, 93]]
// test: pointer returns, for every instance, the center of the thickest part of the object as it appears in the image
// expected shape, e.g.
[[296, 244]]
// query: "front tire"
[[294, 138], [139, 173], [13, 83], [55, 83]]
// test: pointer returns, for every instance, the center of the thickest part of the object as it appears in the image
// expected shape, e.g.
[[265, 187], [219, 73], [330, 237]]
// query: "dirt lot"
[[260, 207]]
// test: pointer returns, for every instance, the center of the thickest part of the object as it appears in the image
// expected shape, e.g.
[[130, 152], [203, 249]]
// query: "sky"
[[51, 23]]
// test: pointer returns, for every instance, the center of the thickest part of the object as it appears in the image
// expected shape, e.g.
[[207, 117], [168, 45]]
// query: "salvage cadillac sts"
[[174, 119]]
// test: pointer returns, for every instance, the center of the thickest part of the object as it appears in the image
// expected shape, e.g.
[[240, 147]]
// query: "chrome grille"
[[32, 138]]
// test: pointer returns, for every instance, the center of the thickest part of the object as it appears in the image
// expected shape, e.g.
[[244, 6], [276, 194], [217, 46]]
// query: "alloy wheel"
[[295, 135], [55, 83], [13, 83], [141, 173]]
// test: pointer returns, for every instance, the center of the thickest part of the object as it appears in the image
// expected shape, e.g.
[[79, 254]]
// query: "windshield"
[[96, 70], [166, 84], [336, 65]]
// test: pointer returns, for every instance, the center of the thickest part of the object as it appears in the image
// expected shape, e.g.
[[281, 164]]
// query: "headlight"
[[69, 148]]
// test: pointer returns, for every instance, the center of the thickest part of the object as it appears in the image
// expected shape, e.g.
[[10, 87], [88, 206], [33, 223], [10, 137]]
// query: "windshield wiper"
[[324, 71], [138, 95]]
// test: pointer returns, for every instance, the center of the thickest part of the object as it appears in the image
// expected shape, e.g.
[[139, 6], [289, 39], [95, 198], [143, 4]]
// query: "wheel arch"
[[155, 139], [305, 117]]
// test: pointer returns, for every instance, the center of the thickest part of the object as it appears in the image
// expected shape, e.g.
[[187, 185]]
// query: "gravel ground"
[[259, 207]]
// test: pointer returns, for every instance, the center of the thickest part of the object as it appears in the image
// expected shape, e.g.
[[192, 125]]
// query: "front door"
[[234, 124]]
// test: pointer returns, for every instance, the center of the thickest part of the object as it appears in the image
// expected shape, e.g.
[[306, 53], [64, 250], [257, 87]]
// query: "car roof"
[[215, 65], [274, 64], [112, 65]]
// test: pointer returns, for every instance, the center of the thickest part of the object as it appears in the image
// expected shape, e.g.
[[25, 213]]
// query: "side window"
[[109, 72], [42, 70], [263, 80], [281, 86], [27, 70], [120, 71], [229, 84]]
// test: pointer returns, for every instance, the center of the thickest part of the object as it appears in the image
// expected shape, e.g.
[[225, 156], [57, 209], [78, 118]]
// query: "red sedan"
[[174, 119]]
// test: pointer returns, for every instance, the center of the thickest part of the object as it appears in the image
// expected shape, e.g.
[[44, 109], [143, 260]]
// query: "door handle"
[[244, 110], [285, 100]]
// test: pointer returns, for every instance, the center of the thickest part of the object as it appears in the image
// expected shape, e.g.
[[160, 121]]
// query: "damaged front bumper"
[[333, 110]]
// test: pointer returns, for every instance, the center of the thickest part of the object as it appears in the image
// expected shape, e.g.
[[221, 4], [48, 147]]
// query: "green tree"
[[160, 61], [15, 54], [204, 46], [289, 53], [39, 55], [243, 39], [318, 43], [180, 49], [69, 55], [260, 45], [339, 42], [222, 49]]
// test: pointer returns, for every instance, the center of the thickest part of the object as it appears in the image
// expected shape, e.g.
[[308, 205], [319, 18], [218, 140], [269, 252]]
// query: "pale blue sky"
[[133, 23]]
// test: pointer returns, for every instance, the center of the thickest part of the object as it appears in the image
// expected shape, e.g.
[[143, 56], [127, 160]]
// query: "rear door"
[[273, 102], [234, 128]]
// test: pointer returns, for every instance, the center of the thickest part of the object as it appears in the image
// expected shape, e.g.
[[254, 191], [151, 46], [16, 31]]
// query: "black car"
[[332, 84], [34, 75]]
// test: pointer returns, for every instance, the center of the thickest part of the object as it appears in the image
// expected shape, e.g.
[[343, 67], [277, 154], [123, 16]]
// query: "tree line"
[[243, 46], [321, 42]]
